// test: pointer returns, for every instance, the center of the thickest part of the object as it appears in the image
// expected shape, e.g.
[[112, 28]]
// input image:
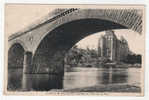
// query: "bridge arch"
[[16, 56], [53, 36], [51, 51], [18, 41], [129, 18]]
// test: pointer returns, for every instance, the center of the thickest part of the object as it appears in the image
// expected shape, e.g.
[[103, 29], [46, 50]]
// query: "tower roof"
[[110, 33]]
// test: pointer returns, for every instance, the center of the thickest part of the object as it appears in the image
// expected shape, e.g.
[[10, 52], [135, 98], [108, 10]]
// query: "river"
[[76, 77]]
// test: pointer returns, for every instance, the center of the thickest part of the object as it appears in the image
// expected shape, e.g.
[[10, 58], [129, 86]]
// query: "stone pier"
[[27, 64]]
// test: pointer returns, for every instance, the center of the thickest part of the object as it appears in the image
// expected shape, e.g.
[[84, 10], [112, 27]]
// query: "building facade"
[[110, 47]]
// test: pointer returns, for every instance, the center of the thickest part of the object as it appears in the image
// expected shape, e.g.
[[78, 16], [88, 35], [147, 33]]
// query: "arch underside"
[[16, 56], [51, 51]]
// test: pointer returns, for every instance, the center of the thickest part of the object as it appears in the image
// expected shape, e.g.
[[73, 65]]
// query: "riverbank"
[[114, 65], [107, 88]]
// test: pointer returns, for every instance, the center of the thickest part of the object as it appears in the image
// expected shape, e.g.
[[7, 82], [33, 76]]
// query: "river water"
[[76, 77]]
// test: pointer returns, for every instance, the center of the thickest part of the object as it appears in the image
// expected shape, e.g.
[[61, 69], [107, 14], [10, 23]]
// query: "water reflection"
[[75, 78], [114, 75], [32, 82], [41, 82], [14, 78]]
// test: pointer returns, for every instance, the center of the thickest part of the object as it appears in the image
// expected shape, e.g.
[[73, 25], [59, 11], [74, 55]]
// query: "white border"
[[2, 2]]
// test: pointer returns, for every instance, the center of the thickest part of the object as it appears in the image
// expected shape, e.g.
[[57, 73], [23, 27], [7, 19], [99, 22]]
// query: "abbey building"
[[112, 48]]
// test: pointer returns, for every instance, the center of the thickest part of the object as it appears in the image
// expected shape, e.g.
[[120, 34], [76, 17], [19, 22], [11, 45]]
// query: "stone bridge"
[[41, 47]]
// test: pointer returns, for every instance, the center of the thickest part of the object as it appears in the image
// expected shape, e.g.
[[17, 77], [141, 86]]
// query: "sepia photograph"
[[74, 49]]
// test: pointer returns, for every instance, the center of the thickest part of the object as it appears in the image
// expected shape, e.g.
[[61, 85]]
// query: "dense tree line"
[[77, 55], [132, 59]]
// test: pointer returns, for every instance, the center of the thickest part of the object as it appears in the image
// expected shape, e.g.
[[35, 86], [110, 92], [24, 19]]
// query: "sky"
[[18, 17]]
